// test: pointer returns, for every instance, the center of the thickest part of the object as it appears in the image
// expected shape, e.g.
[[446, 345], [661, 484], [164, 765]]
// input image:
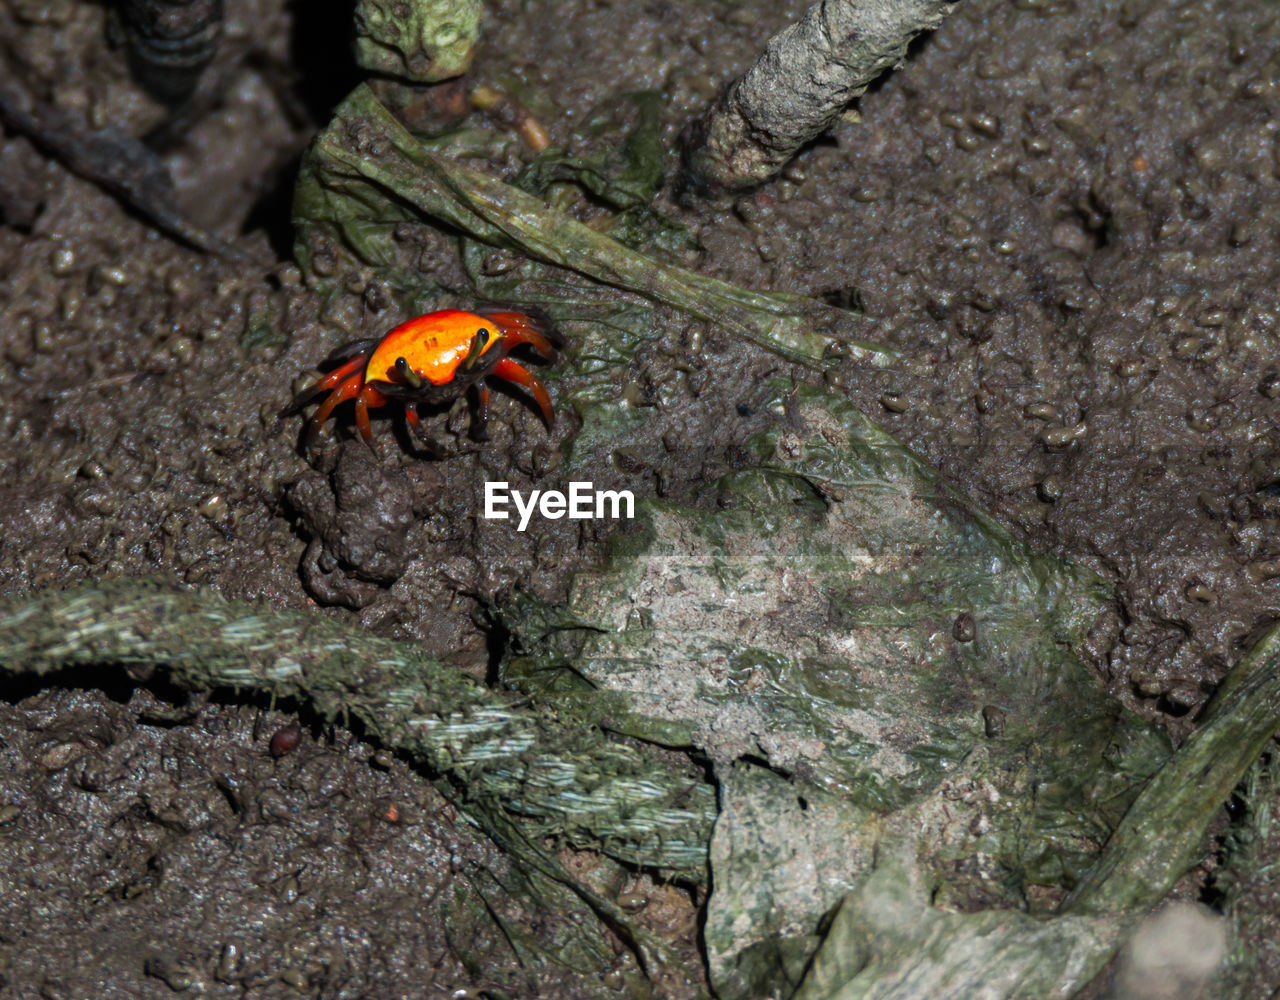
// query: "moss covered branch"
[[805, 77], [525, 774], [558, 778], [1163, 833], [366, 173]]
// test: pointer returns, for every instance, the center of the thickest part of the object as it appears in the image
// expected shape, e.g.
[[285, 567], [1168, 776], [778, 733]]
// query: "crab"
[[431, 361]]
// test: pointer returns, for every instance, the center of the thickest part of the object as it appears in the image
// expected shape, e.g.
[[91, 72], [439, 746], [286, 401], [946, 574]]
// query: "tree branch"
[[805, 77]]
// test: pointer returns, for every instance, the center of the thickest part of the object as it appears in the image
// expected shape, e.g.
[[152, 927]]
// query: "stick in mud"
[[805, 77]]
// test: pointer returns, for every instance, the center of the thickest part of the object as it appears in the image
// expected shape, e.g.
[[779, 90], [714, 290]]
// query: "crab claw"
[[533, 327]]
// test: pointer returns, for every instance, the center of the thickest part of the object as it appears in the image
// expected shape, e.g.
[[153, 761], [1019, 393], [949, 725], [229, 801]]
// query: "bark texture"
[[805, 77]]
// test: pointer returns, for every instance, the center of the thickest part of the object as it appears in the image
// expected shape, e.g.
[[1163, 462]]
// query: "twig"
[[800, 83], [365, 167], [116, 162]]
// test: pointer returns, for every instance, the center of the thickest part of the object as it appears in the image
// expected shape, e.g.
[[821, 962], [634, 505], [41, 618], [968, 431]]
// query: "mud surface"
[[195, 854], [1062, 214]]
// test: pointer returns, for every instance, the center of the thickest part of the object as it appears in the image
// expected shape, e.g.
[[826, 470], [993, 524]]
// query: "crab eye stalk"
[[478, 343], [407, 375]]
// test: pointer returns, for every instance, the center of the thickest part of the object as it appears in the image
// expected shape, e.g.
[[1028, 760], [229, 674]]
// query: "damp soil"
[[1063, 215]]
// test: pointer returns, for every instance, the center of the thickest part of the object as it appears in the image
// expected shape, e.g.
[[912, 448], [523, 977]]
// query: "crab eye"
[[407, 374], [478, 343]]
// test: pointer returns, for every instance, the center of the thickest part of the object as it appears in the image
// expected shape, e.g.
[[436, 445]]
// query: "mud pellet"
[[1041, 411], [1060, 437], [59, 756], [1263, 570], [324, 257], [984, 124], [1037, 145], [1049, 489], [182, 349], [91, 468], [176, 283], [214, 507], [62, 260], [1200, 593], [836, 378], [1214, 349], [43, 339], [285, 740], [227, 963], [96, 500], [964, 628], [69, 303], [1183, 696], [983, 300], [111, 274], [1242, 233], [992, 67], [1201, 421]]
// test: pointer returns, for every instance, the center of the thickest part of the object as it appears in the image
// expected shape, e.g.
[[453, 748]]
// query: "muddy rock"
[[358, 518]]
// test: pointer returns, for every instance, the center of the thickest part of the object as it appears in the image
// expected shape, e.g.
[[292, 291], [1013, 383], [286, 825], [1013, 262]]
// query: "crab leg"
[[346, 390], [413, 420], [362, 419], [357, 348], [479, 426], [327, 384], [366, 398], [512, 371]]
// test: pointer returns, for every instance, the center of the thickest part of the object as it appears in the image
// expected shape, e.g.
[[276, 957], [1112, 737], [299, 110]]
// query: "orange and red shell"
[[431, 360]]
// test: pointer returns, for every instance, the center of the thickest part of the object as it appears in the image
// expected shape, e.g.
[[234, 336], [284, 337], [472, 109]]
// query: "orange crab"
[[431, 361]]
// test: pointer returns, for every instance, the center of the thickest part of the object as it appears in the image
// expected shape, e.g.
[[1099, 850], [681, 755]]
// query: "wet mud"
[[1061, 214]]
